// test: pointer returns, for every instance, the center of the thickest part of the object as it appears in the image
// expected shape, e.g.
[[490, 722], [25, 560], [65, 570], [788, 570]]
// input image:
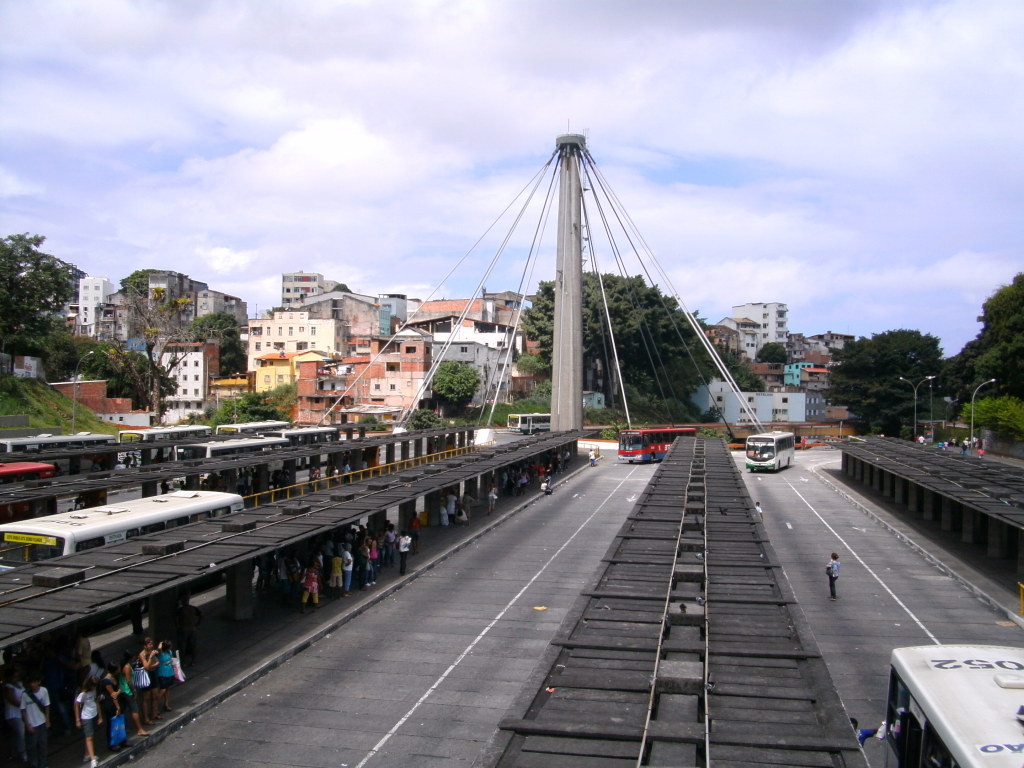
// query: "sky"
[[859, 161]]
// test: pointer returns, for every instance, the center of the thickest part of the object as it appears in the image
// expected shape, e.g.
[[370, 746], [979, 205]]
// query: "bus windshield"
[[631, 442], [20, 548], [760, 449]]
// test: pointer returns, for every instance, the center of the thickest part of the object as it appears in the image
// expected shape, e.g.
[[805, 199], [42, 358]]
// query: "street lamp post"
[[915, 386], [74, 392], [972, 408]]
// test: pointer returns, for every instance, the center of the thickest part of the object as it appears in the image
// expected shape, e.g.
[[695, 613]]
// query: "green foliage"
[[137, 283], [532, 365], [867, 373], [338, 287], [424, 419], [657, 351], [772, 352], [455, 381], [257, 406], [998, 350], [34, 287], [47, 408], [1003, 415], [223, 328]]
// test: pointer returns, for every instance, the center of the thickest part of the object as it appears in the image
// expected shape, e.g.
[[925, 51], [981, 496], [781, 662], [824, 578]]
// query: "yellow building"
[[279, 368]]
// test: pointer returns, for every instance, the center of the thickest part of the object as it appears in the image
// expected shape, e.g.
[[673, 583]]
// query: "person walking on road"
[[832, 569], [757, 508], [593, 458]]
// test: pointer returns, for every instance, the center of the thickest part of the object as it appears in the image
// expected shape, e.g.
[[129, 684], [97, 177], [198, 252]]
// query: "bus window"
[[92, 543]]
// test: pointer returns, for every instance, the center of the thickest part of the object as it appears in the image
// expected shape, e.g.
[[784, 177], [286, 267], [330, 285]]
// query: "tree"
[[423, 419], [256, 406], [532, 365], [34, 287], [657, 351], [772, 352], [867, 372], [1003, 415], [998, 350], [455, 382], [223, 328], [341, 287]]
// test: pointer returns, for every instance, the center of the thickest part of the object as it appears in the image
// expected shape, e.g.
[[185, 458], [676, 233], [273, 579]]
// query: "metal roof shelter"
[[980, 499], [95, 584], [43, 495], [688, 649]]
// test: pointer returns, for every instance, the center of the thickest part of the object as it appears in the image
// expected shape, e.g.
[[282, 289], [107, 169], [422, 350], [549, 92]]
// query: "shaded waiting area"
[[980, 500]]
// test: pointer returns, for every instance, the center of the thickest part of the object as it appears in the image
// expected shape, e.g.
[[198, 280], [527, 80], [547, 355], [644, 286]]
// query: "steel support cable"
[[670, 313], [439, 358], [694, 324], [534, 182], [646, 335], [525, 280], [709, 347], [607, 313]]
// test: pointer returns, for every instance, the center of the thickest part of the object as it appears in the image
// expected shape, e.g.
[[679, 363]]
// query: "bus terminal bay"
[[449, 664], [366, 455]]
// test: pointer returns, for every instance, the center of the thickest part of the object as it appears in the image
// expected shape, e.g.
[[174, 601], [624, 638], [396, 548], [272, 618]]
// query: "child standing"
[[87, 717]]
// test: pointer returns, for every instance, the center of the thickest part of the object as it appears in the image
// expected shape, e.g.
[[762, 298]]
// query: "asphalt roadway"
[[418, 671]]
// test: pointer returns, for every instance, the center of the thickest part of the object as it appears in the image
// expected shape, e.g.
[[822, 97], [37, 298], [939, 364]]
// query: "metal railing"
[[307, 487]]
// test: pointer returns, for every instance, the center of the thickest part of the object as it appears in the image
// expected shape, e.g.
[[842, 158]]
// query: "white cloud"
[[859, 161]]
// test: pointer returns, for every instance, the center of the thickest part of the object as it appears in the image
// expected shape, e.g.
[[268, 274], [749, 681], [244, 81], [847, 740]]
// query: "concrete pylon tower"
[[567, 354]]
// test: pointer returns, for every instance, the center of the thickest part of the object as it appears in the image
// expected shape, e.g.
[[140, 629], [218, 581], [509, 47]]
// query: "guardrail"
[[326, 483]]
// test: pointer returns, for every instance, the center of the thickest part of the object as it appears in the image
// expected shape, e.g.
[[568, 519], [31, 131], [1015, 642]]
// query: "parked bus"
[[529, 423], [20, 471], [54, 442], [159, 434], [43, 538], [222, 448], [305, 435], [956, 706], [770, 451], [251, 427], [650, 444]]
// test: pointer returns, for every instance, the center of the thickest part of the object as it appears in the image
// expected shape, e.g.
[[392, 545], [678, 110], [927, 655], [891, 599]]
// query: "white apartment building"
[[299, 287], [93, 295], [772, 316], [194, 364], [294, 331], [768, 407]]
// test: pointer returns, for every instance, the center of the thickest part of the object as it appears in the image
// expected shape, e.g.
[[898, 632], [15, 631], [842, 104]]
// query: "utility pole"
[[567, 347]]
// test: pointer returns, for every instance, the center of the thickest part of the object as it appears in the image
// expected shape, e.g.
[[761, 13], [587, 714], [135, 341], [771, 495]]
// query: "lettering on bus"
[[995, 749], [26, 538], [1014, 666]]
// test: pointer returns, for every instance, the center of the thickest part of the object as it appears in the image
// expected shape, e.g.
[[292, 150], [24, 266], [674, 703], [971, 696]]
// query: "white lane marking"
[[866, 567], [789, 525], [469, 648]]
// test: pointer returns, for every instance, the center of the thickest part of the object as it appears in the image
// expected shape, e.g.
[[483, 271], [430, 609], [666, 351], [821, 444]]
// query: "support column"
[[567, 353], [969, 528], [238, 604], [162, 607], [899, 490], [432, 506], [927, 504], [389, 453], [998, 542], [406, 512], [946, 513]]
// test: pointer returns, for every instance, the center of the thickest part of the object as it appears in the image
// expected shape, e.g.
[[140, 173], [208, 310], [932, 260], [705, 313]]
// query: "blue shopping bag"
[[118, 735]]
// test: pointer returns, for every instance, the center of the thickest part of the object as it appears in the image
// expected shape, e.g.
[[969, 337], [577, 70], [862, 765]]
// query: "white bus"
[[42, 538], [956, 706], [159, 434], [305, 435], [528, 423], [221, 448], [54, 442], [251, 427], [770, 451]]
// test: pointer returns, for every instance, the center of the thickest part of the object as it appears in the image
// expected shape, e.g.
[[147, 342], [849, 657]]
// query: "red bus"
[[20, 471], [650, 444]]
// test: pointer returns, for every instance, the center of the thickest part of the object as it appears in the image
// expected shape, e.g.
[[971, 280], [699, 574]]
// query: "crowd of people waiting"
[[58, 687]]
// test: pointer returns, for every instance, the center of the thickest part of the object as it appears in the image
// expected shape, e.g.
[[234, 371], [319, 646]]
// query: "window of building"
[[195, 377], [302, 329], [266, 379], [312, 330], [195, 363], [463, 349], [280, 330], [393, 367], [410, 350], [257, 346], [393, 387], [280, 377]]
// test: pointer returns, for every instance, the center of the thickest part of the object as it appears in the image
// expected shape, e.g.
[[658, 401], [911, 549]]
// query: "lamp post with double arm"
[[972, 408], [74, 392], [915, 386]]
